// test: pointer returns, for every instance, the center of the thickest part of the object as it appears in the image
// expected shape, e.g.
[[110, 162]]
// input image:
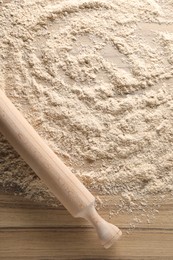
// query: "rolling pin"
[[56, 175]]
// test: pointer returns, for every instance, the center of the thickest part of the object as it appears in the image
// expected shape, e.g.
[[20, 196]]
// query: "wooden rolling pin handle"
[[56, 175], [106, 232]]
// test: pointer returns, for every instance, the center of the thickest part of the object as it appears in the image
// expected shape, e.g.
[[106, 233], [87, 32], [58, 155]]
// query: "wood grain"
[[35, 231]]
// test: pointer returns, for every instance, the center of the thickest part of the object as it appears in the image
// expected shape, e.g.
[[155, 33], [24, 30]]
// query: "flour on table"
[[94, 78]]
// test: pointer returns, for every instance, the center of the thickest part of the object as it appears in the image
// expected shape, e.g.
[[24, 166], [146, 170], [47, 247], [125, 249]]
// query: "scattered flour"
[[95, 79]]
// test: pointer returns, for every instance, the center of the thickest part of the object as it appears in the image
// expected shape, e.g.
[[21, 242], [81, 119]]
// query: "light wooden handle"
[[45, 163]]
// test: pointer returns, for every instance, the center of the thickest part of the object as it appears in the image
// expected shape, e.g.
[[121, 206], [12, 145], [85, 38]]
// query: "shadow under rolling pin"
[[45, 163]]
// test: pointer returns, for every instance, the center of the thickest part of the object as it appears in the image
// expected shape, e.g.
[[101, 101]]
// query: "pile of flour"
[[95, 79]]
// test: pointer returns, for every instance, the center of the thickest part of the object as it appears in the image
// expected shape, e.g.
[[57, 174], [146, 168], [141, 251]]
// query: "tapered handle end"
[[107, 232]]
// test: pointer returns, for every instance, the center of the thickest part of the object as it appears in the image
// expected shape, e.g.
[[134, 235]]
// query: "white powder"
[[94, 78]]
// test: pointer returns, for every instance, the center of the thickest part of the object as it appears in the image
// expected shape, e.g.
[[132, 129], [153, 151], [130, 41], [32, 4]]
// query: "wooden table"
[[35, 231]]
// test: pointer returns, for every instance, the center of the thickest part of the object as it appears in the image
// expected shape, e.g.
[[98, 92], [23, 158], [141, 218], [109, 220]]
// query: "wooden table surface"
[[30, 230]]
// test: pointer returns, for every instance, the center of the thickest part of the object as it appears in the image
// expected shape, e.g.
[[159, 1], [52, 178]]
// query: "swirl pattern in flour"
[[94, 79]]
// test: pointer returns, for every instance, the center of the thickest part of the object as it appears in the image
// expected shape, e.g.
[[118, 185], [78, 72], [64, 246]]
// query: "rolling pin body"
[[45, 163]]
